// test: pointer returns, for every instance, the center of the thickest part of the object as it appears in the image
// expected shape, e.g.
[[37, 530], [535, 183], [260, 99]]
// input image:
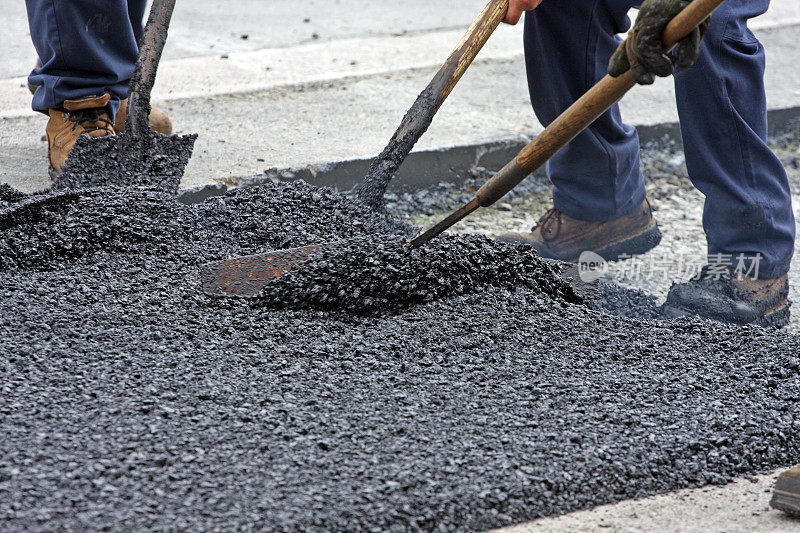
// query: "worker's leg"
[[136, 10], [722, 107], [567, 48], [86, 48]]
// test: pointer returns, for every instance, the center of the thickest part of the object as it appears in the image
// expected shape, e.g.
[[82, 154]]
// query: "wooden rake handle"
[[462, 57], [569, 124], [419, 117]]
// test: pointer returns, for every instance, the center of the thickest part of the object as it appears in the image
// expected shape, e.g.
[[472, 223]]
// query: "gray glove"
[[643, 53]]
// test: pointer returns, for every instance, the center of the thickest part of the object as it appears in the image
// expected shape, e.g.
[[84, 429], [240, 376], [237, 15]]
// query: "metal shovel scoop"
[[246, 276], [138, 157]]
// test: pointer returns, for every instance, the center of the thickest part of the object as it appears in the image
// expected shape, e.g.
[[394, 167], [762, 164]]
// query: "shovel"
[[138, 157], [246, 276], [421, 113]]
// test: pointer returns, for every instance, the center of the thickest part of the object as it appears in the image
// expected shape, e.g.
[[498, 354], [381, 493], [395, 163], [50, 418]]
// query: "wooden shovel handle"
[[144, 76], [420, 115], [462, 57], [584, 111]]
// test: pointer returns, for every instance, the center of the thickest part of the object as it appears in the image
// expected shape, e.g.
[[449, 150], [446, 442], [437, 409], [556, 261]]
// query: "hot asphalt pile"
[[374, 275], [131, 401]]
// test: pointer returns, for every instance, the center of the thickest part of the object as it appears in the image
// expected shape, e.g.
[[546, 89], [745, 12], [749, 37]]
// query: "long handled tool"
[[568, 125], [139, 156], [420, 115], [247, 276]]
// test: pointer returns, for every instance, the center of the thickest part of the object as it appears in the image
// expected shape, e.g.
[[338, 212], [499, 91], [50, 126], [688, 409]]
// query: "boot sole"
[[776, 317], [638, 245], [786, 496]]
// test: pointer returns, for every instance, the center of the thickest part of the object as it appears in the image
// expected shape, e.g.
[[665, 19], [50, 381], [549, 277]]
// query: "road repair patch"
[[132, 401]]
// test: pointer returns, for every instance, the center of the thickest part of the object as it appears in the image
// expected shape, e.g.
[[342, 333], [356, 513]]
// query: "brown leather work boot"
[[159, 121], [558, 236], [727, 297], [89, 116], [786, 494]]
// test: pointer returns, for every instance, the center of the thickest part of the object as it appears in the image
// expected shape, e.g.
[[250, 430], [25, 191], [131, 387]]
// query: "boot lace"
[[551, 215], [90, 120]]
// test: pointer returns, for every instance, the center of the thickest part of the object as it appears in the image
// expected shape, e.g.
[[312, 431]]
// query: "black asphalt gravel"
[[621, 301], [376, 274], [130, 401], [153, 160]]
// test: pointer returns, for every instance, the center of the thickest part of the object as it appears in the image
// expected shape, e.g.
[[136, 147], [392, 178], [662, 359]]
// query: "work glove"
[[643, 53]]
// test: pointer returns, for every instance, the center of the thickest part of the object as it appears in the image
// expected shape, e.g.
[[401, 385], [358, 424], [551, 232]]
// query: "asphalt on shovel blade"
[[153, 161], [246, 276]]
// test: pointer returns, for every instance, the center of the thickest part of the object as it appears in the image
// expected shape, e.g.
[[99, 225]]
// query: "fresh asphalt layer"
[[252, 146], [132, 401]]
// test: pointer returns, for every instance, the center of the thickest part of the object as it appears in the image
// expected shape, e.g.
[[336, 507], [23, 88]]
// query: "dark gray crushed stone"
[[9, 195], [43, 231], [130, 401], [375, 274], [448, 196], [153, 160], [624, 302], [286, 215]]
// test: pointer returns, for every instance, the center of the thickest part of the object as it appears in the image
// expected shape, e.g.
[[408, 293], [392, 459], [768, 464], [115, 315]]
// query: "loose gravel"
[[378, 274], [152, 160], [131, 401]]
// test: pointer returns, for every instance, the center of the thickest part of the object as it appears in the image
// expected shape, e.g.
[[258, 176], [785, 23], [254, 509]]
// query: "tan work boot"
[[786, 494], [725, 296], [89, 116], [558, 236], [159, 121]]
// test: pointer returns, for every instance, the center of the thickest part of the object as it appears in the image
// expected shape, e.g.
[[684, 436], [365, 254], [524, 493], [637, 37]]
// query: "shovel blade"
[[246, 276], [153, 160]]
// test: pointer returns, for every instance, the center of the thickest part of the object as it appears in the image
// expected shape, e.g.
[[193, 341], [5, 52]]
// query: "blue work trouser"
[[86, 48], [722, 107]]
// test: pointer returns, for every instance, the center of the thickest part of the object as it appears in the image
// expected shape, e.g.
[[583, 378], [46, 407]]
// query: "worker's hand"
[[643, 52], [517, 7]]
